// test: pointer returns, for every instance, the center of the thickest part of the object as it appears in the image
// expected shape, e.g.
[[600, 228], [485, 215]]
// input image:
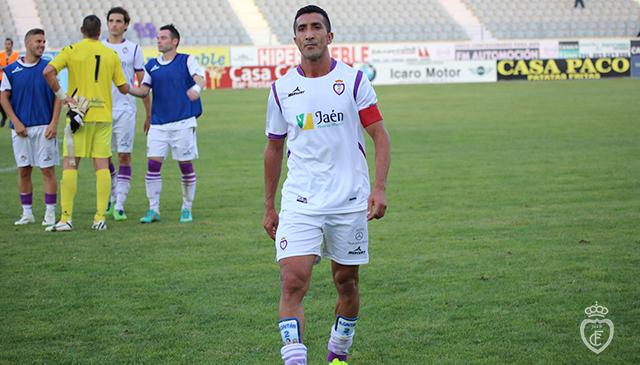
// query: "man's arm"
[[273, 153], [382, 143], [50, 74], [52, 128], [141, 91], [6, 105], [146, 100], [194, 92]]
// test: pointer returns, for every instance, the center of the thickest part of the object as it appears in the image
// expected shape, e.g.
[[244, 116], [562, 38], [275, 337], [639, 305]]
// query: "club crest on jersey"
[[338, 87]]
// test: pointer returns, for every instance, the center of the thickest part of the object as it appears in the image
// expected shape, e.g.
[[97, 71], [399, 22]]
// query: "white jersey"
[[323, 119], [132, 60]]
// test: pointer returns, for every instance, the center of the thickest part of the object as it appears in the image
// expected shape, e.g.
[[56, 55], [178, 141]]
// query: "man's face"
[[8, 46], [311, 36], [165, 42], [117, 26], [35, 44]]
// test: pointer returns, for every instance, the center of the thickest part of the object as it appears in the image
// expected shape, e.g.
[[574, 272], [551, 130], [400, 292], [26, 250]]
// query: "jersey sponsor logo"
[[297, 91], [357, 251], [338, 87], [319, 119], [301, 199], [155, 67], [17, 69]]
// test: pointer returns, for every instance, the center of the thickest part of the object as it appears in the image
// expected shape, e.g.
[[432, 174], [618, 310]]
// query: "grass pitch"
[[512, 207]]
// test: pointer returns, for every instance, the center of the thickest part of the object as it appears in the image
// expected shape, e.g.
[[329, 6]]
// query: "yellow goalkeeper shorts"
[[92, 140]]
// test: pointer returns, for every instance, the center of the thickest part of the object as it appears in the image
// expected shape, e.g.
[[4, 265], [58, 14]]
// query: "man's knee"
[[294, 284], [346, 282], [48, 172], [24, 172], [124, 159]]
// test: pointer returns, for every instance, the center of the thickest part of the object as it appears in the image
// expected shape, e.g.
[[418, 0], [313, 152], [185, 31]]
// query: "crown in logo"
[[596, 311]]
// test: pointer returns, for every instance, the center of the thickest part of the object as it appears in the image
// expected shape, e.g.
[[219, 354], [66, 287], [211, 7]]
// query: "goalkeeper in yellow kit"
[[92, 68]]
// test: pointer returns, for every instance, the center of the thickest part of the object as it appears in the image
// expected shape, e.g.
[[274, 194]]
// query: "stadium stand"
[[370, 20], [200, 22], [521, 19], [7, 26]]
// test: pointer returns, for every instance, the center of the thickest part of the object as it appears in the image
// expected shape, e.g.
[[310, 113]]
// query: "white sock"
[[50, 208], [188, 184], [154, 188], [27, 210], [114, 182], [342, 335], [294, 354], [123, 186]]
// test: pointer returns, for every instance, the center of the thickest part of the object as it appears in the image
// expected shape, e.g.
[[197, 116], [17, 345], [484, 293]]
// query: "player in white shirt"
[[124, 109], [321, 109]]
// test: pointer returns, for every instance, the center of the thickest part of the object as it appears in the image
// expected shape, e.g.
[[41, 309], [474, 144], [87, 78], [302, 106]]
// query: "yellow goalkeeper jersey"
[[92, 68]]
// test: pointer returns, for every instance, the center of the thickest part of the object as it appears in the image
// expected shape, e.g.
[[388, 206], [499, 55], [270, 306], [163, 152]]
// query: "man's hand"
[[193, 95], [377, 204], [51, 131], [20, 129], [77, 111], [271, 222], [147, 125]]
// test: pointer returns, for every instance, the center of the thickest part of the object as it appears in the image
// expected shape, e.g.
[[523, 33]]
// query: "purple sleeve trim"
[[357, 85], [138, 69], [148, 84], [276, 136], [275, 96], [362, 150]]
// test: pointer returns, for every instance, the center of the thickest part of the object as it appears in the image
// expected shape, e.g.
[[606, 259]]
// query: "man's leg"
[[50, 195], [68, 187], [188, 189], [153, 183], [295, 277], [123, 182], [3, 120], [103, 187], [112, 195], [25, 188], [345, 278]]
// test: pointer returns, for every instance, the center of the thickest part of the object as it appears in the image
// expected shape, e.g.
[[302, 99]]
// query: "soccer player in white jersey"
[[176, 79], [321, 109], [33, 111], [124, 109]]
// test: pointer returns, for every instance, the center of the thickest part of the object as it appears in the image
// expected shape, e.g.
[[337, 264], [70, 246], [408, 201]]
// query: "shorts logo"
[[283, 243], [359, 235], [302, 199], [23, 158], [357, 251], [338, 87]]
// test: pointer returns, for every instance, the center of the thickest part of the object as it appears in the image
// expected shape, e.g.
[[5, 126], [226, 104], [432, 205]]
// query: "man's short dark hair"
[[172, 30], [312, 9], [119, 10], [91, 26], [9, 39], [32, 32]]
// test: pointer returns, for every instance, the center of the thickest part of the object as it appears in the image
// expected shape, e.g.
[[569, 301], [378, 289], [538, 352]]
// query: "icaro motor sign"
[[563, 69]]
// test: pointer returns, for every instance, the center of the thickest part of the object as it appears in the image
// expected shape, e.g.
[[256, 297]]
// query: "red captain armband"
[[370, 115]]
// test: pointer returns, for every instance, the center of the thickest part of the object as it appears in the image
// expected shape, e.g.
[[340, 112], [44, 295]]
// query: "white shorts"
[[182, 142], [35, 149], [124, 130], [343, 238]]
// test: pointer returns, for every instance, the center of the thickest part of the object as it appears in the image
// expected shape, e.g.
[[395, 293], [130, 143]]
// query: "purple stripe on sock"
[[154, 166], [50, 199], [124, 171], [124, 178], [26, 199], [112, 169], [186, 168], [332, 356]]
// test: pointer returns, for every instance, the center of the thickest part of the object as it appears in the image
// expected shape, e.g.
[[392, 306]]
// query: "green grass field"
[[512, 207]]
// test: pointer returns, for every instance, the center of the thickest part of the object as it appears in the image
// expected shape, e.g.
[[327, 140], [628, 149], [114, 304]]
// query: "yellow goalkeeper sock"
[[68, 188], [103, 189]]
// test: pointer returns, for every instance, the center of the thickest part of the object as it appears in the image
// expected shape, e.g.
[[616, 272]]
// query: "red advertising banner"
[[245, 77]]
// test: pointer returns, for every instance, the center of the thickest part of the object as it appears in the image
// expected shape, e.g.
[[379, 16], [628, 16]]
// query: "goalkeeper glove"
[[77, 112]]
